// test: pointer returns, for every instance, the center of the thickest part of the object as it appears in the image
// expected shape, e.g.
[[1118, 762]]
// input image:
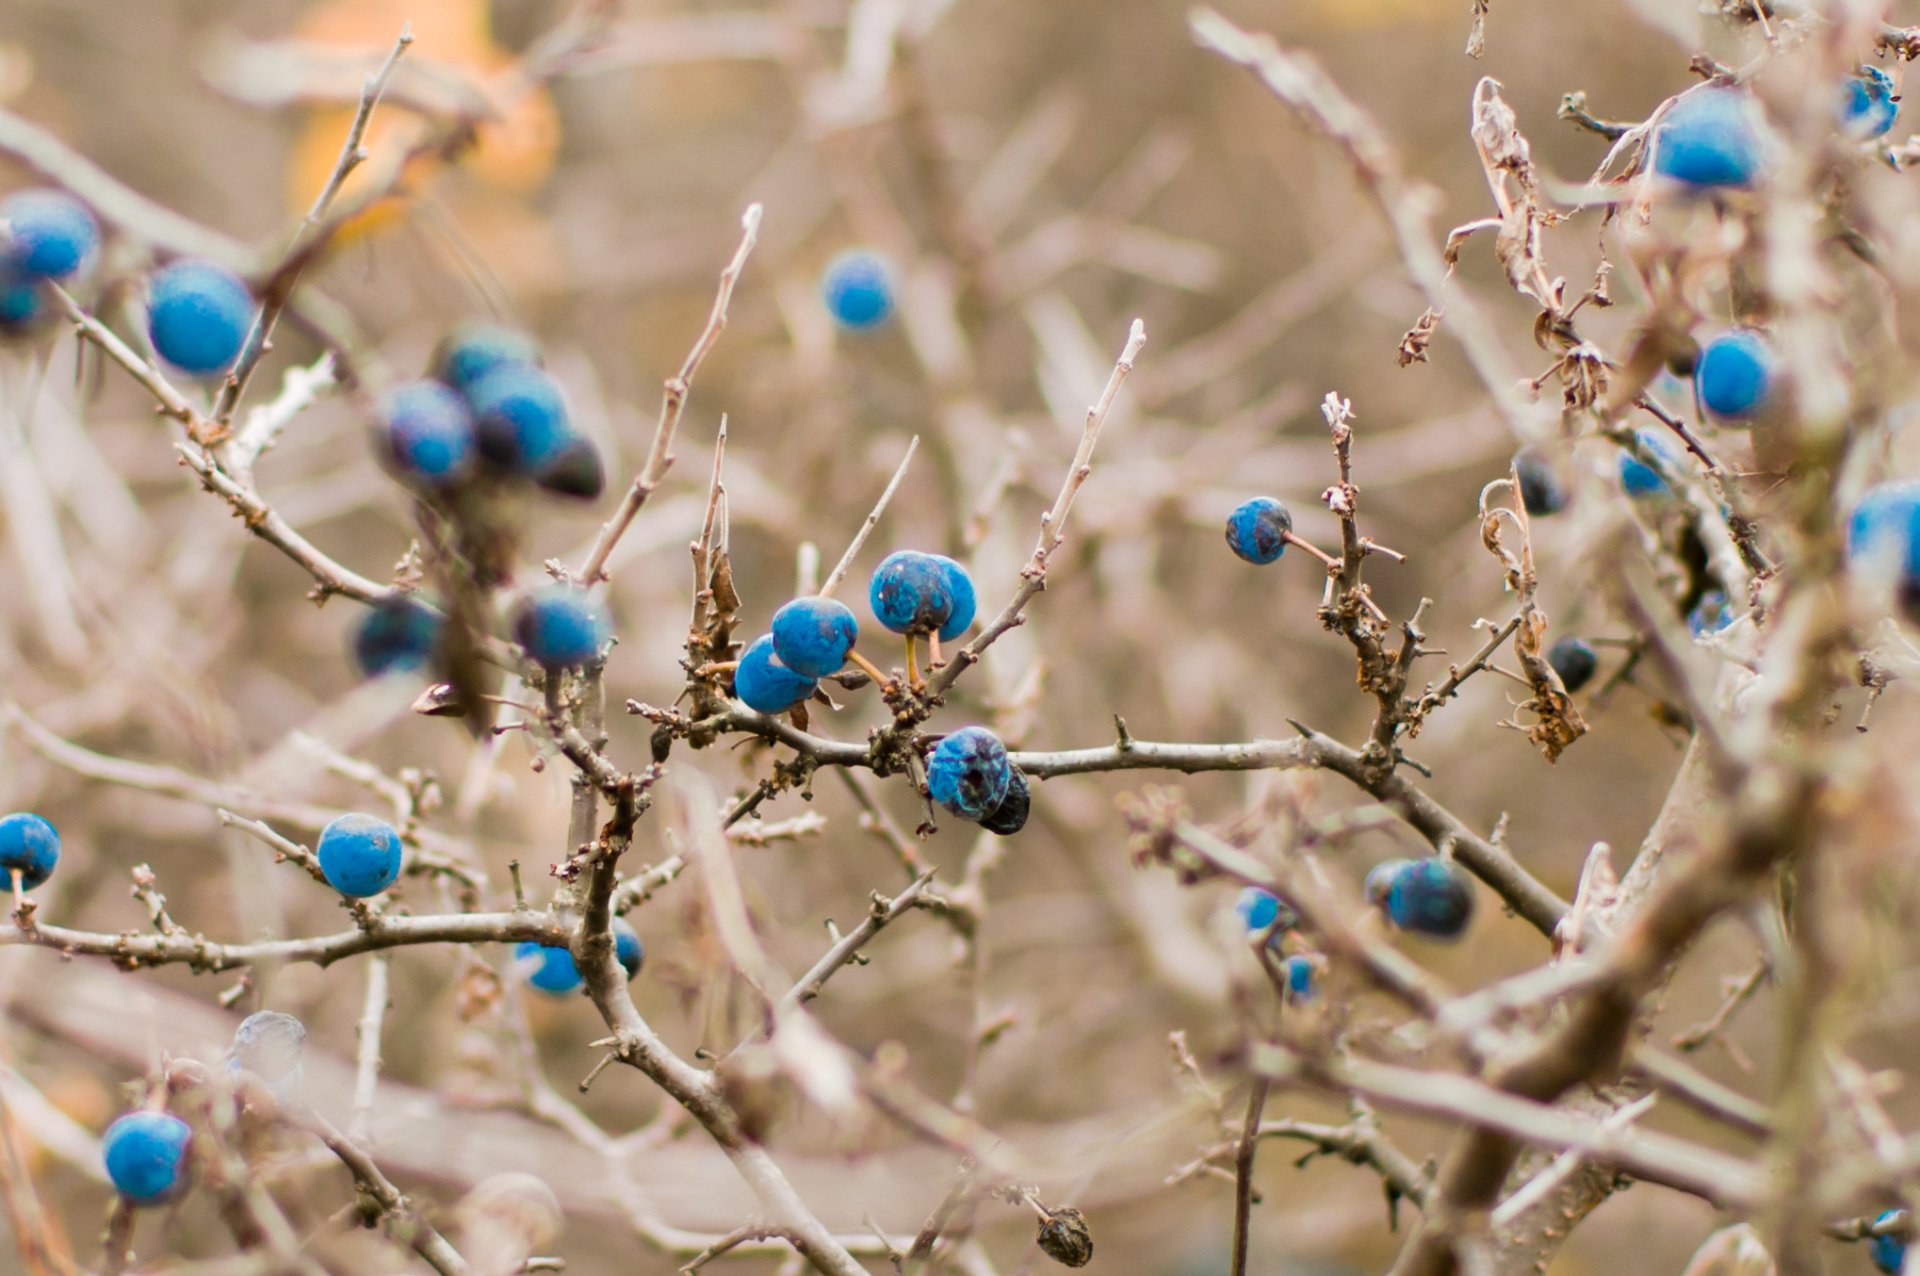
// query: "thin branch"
[[845, 564], [366, 1072]]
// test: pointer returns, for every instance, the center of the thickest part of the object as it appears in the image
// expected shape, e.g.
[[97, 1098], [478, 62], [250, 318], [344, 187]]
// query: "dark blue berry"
[[1540, 490], [29, 844], [520, 417], [960, 592], [198, 314], [360, 855], [913, 593], [969, 774], [1574, 660], [1709, 138], [858, 289], [397, 633], [1379, 881], [1257, 529], [1011, 815], [559, 627], [577, 470], [1867, 104], [552, 970], [1432, 897], [1637, 478], [813, 635], [466, 355], [766, 685], [46, 234], [429, 434], [146, 1155], [1260, 910], [1735, 376], [1300, 976], [1888, 1252]]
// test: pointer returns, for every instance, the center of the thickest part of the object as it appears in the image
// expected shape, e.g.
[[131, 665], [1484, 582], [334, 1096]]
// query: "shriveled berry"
[[198, 314], [559, 627], [429, 434], [1574, 660], [360, 855], [1540, 490], [1735, 376], [398, 633], [766, 685], [520, 419], [1432, 897], [913, 593], [1257, 529], [46, 234], [146, 1155], [29, 845], [969, 774], [466, 355], [858, 289], [1011, 815], [813, 635], [1710, 138]]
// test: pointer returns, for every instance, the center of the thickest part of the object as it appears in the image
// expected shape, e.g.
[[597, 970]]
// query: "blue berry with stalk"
[[198, 316], [146, 1156], [29, 852], [969, 773], [1710, 139], [1259, 531], [559, 627], [359, 855], [921, 595]]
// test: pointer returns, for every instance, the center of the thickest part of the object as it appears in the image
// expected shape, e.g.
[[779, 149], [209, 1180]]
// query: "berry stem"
[[913, 665], [1333, 564], [869, 668]]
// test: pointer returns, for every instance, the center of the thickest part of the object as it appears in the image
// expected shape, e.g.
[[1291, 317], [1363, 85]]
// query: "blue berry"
[[813, 635], [1574, 660], [1011, 815], [1735, 376], [1260, 910], [1639, 479], [46, 234], [269, 1044], [23, 303], [969, 774], [1889, 1252], [466, 355], [1884, 532], [1299, 972], [1432, 897], [31, 845], [360, 855], [146, 1155], [1867, 104], [858, 289], [1540, 489], [1710, 615], [429, 435], [198, 314], [1257, 529], [397, 633], [960, 592], [576, 471], [560, 628], [764, 683], [1709, 138], [520, 417], [551, 968], [913, 593], [1380, 881]]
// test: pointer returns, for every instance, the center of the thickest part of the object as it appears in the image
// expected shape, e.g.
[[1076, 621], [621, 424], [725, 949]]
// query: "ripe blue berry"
[[1432, 897], [559, 627], [429, 436], [198, 313], [46, 234], [1889, 1252], [1710, 615], [961, 593], [1540, 489], [551, 968], [466, 355], [914, 593], [1574, 660], [23, 303], [969, 774], [765, 684], [146, 1155], [521, 419], [1639, 479], [1884, 533], [1300, 975], [1710, 138], [1011, 815], [397, 633], [30, 845], [1380, 881], [1260, 910], [577, 470], [858, 289], [813, 635], [360, 855], [1735, 376], [1257, 529], [1867, 104]]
